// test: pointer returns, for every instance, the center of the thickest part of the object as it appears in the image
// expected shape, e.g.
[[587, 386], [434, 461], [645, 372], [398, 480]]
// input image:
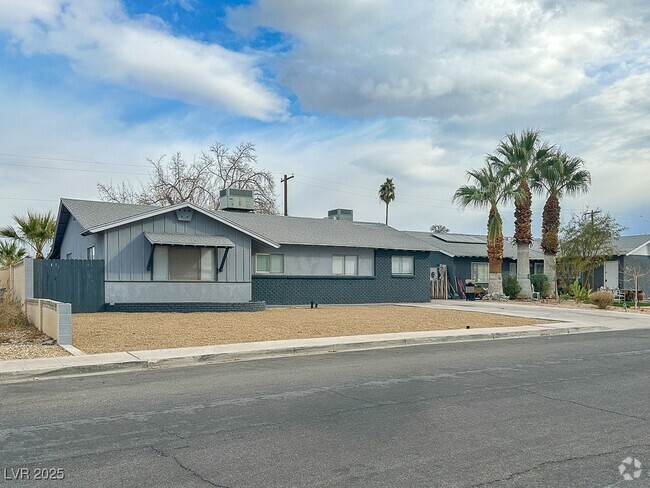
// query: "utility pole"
[[592, 212], [284, 180]]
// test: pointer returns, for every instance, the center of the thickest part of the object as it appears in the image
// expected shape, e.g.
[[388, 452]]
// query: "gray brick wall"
[[381, 288], [254, 306]]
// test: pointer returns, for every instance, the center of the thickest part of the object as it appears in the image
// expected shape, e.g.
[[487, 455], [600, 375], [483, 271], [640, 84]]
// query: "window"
[[402, 265], [512, 267], [538, 268], [345, 265], [68, 256], [90, 252], [480, 272], [269, 263], [178, 263], [184, 263]]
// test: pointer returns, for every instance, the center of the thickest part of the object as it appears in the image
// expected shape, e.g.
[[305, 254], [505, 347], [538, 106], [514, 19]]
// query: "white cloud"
[[360, 57], [100, 40]]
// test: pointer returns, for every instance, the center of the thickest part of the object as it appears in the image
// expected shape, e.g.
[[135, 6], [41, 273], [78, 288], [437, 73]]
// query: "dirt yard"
[[21, 340], [111, 332]]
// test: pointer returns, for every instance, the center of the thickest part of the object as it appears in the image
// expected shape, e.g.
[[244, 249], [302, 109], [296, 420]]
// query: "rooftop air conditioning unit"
[[340, 214], [236, 199]]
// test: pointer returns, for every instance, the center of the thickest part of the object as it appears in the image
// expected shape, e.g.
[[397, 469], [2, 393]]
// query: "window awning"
[[169, 239]]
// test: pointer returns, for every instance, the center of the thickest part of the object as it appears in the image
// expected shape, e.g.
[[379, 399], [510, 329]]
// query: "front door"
[[611, 275]]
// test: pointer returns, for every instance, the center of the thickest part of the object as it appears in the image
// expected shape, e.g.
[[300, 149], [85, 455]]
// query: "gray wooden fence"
[[76, 281]]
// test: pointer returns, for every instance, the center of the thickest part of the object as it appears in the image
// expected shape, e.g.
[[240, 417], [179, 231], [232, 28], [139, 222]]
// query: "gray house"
[[189, 258], [465, 255], [631, 252]]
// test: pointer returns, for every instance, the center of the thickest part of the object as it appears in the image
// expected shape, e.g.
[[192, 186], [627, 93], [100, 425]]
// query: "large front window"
[[402, 265], [480, 272], [181, 263]]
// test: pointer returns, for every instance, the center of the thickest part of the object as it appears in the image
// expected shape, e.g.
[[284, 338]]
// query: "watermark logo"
[[630, 469]]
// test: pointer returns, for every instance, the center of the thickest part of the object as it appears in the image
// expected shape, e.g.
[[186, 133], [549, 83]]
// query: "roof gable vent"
[[184, 214]]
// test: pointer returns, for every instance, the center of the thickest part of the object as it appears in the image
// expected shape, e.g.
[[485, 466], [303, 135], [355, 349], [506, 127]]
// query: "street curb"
[[222, 357]]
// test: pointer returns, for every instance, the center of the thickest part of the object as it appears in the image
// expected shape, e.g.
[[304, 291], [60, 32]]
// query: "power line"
[[72, 160], [83, 170]]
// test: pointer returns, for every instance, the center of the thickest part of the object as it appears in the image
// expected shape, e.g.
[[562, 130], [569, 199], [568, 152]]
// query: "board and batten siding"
[[317, 261], [128, 250], [77, 245]]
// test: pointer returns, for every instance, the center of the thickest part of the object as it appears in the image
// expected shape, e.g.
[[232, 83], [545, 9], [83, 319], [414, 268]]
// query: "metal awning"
[[194, 240]]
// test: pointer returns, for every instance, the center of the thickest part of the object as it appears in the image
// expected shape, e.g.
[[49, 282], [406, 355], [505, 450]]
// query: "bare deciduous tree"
[[633, 274], [200, 181]]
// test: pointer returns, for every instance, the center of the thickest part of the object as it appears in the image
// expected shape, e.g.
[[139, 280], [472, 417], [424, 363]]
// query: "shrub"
[[11, 315], [602, 299], [511, 287], [541, 284], [579, 292]]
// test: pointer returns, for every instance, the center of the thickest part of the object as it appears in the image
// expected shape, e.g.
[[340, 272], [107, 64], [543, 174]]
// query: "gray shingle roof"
[[325, 232], [471, 245], [93, 214], [626, 244], [276, 228], [188, 239]]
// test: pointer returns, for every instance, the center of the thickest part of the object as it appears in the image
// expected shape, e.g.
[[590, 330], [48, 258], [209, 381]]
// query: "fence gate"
[[76, 281]]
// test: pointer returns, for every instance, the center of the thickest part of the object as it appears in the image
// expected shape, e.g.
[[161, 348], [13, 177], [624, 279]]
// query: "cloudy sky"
[[340, 93]]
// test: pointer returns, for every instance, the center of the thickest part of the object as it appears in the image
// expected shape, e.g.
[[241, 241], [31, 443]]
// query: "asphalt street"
[[552, 411]]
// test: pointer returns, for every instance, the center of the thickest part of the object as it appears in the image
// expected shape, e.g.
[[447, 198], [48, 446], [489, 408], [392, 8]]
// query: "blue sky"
[[343, 94]]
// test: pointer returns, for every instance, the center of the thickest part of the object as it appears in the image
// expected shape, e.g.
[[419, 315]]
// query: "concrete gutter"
[[17, 370]]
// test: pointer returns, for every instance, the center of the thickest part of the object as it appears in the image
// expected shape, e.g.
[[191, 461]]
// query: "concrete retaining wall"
[[19, 279], [186, 307], [52, 318]]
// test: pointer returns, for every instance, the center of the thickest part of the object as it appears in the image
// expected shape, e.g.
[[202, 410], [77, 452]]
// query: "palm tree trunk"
[[550, 270], [386, 213], [495, 253], [523, 269]]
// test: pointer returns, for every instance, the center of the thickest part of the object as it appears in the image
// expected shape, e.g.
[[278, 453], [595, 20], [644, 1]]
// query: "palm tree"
[[36, 231], [520, 156], [561, 175], [491, 187], [11, 253], [387, 194]]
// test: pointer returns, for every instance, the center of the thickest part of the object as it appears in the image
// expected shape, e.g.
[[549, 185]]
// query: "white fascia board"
[[631, 253], [171, 208]]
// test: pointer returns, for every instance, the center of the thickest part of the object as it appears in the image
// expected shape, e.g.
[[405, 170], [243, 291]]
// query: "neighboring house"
[[465, 256], [630, 252], [185, 254]]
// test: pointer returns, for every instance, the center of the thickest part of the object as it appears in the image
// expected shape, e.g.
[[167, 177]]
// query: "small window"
[[538, 268], [269, 263], [512, 267], [402, 265], [345, 265], [90, 252], [68, 256], [480, 272]]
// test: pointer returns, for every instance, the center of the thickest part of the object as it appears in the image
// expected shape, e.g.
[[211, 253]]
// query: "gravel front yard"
[[112, 332], [26, 342]]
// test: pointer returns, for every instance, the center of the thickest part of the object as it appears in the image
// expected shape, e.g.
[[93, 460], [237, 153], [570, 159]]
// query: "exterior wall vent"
[[340, 214], [184, 214], [237, 200]]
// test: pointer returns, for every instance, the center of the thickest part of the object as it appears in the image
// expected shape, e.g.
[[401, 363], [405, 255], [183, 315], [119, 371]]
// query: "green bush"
[[602, 299], [578, 292], [541, 284], [511, 287]]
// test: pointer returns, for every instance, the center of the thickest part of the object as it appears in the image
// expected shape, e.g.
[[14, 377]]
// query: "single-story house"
[[631, 252], [465, 256], [159, 257]]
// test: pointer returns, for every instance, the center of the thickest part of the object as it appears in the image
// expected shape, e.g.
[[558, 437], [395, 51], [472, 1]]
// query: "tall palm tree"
[[387, 194], [490, 188], [561, 175], [36, 231], [11, 253], [520, 156]]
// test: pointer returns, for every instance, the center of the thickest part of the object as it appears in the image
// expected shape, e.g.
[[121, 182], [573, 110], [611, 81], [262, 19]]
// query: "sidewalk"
[[569, 322]]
